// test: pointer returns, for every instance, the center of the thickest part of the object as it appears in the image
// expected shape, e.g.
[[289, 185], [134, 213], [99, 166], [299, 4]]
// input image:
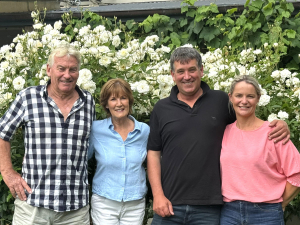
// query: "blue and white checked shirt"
[[55, 161], [120, 175]]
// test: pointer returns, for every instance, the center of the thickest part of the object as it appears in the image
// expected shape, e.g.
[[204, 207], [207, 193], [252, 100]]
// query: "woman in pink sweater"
[[259, 177]]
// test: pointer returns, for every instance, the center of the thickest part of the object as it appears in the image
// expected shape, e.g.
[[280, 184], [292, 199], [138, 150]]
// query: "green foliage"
[[262, 24]]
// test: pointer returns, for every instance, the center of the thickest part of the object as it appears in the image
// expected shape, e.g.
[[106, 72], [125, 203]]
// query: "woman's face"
[[244, 99], [118, 106]]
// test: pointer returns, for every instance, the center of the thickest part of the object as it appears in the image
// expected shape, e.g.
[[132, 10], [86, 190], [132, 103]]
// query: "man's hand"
[[16, 184], [162, 206], [280, 132]]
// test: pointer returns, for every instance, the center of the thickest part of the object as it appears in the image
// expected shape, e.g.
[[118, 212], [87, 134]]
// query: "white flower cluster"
[[280, 115], [247, 55], [85, 80]]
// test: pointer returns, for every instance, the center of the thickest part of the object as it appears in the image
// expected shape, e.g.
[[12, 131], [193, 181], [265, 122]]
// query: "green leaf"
[[232, 34], [231, 11], [256, 26], [175, 39], [129, 24], [290, 7], [198, 27], [8, 197], [241, 21], [183, 22], [213, 8], [257, 3], [295, 42], [208, 33], [214, 43], [156, 18], [185, 36], [290, 33], [184, 9], [248, 26], [164, 19], [166, 39], [199, 17], [254, 9], [268, 9], [229, 21], [191, 13], [286, 14], [148, 27]]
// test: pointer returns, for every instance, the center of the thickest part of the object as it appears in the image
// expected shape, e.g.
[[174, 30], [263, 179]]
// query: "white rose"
[[282, 115], [264, 100], [57, 25], [272, 117], [37, 26], [18, 83]]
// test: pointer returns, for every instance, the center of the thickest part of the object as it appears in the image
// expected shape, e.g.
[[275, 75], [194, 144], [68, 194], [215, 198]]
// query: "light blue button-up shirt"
[[120, 175]]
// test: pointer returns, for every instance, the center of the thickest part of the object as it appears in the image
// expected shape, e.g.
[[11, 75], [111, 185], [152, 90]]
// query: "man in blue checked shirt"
[[56, 118]]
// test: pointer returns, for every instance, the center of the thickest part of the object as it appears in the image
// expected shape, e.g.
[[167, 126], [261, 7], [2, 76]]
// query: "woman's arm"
[[289, 194]]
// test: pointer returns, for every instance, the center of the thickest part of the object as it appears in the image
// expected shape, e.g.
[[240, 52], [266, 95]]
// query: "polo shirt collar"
[[175, 91]]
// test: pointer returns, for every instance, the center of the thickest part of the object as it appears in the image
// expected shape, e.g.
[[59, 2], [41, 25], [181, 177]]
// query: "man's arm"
[[161, 205], [289, 194], [13, 180], [280, 132]]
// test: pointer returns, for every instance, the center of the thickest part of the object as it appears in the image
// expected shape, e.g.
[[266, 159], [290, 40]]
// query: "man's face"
[[63, 74], [187, 77]]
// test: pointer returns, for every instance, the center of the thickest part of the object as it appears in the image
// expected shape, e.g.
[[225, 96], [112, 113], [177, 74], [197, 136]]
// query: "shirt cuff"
[[294, 179]]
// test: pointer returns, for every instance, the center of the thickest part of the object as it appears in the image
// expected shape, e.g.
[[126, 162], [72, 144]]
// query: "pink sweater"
[[255, 169]]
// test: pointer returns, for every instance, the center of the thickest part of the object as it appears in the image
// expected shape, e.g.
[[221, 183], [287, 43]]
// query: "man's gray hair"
[[185, 55], [63, 50]]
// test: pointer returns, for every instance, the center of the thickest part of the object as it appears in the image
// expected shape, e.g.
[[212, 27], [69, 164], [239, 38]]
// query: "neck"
[[248, 123], [190, 99], [61, 96], [120, 122]]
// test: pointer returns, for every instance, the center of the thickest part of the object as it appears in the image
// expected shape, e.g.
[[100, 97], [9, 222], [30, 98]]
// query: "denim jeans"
[[246, 213], [191, 215]]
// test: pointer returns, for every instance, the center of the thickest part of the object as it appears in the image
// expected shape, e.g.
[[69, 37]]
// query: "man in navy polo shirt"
[[184, 145]]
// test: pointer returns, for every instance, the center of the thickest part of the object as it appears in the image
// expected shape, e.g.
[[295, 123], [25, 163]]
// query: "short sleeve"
[[91, 145], [154, 140], [12, 119], [289, 162]]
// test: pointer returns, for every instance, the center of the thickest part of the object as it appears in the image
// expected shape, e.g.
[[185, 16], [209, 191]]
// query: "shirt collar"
[[175, 91], [137, 126], [44, 92]]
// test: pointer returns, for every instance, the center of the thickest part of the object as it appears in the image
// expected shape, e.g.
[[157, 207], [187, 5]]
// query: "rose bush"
[[144, 64]]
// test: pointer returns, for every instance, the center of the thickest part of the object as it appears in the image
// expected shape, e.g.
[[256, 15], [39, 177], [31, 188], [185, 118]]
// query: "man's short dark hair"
[[185, 55]]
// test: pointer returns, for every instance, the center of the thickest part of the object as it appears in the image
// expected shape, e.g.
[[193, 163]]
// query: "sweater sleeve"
[[289, 162]]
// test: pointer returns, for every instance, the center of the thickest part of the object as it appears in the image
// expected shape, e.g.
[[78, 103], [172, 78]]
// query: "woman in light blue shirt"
[[119, 143]]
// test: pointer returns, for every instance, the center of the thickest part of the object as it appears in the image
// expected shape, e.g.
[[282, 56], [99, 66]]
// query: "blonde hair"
[[115, 87], [249, 80]]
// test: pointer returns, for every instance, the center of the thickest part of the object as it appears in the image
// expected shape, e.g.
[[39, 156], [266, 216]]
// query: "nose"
[[244, 100], [186, 75], [119, 103]]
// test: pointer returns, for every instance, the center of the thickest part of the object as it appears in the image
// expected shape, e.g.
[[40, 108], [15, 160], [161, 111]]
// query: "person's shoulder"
[[161, 103], [219, 93], [100, 122], [142, 125], [31, 90]]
